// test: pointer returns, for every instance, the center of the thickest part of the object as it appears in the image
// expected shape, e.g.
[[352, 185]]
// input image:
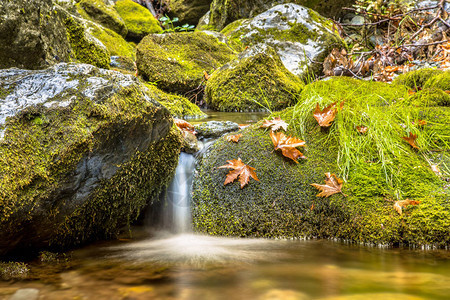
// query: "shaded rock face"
[[223, 12], [176, 62], [82, 150], [189, 11], [32, 34], [215, 128], [299, 36], [284, 204]]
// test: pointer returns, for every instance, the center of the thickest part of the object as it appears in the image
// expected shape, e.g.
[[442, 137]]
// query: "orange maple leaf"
[[275, 124], [288, 145], [362, 129], [411, 139], [332, 185], [241, 170], [184, 125], [420, 122], [326, 116], [233, 138], [403, 203]]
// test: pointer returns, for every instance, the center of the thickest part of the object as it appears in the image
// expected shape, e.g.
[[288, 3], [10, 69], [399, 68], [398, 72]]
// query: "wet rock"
[[215, 128], [75, 143], [32, 34], [189, 11], [176, 62], [25, 294], [298, 34], [190, 142]]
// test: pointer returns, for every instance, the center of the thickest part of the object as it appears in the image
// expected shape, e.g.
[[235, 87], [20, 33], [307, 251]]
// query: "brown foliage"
[[326, 116], [288, 145], [241, 170], [332, 185], [403, 203], [275, 124]]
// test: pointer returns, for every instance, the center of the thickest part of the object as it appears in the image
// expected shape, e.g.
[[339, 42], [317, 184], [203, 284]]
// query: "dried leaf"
[[275, 124], [241, 170], [233, 138], [403, 203], [420, 122], [288, 145], [411, 139], [184, 125], [326, 116], [362, 129], [332, 185]]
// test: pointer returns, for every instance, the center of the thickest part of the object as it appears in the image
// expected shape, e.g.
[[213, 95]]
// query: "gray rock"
[[189, 11], [25, 294], [215, 128], [76, 142], [190, 142]]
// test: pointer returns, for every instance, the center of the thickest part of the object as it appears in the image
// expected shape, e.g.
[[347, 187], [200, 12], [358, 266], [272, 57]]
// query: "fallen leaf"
[[326, 116], [411, 139], [184, 125], [288, 145], [241, 170], [362, 129], [411, 92], [275, 124], [420, 122], [403, 203], [332, 185], [233, 138]]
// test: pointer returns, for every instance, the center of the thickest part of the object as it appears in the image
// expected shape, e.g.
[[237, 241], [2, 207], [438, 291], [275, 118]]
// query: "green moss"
[[177, 61], [416, 79], [429, 97], [378, 168], [115, 44], [178, 106], [103, 14], [259, 82], [138, 20], [440, 81], [85, 51]]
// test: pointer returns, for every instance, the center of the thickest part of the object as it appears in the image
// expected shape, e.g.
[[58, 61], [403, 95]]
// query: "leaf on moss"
[[275, 124], [326, 116], [362, 129], [288, 145], [403, 203], [233, 138], [241, 170], [411, 139], [332, 185]]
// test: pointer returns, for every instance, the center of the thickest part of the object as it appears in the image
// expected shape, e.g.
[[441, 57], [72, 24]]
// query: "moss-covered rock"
[[189, 11], [439, 81], [416, 79], [138, 20], [378, 167], [224, 12], [253, 82], [178, 106], [298, 34], [85, 47], [32, 34], [429, 97], [82, 151], [115, 43], [107, 16], [176, 62]]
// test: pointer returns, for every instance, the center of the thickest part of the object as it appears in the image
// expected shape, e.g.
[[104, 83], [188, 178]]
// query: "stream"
[[169, 261]]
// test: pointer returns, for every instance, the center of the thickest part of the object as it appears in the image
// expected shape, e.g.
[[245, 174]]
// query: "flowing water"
[[174, 263]]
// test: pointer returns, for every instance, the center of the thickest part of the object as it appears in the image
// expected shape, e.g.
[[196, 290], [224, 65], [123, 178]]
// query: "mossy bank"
[[378, 167], [81, 155]]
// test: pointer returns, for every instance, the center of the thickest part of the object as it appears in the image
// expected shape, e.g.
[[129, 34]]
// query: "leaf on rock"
[[403, 203], [241, 170], [332, 185], [275, 124], [184, 125], [233, 138], [326, 116], [362, 129], [288, 145], [411, 139]]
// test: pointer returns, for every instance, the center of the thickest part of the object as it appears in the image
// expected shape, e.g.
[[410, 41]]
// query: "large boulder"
[[255, 81], [301, 37], [378, 168], [189, 11], [176, 62], [32, 34], [104, 14], [224, 12], [138, 20], [82, 151]]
